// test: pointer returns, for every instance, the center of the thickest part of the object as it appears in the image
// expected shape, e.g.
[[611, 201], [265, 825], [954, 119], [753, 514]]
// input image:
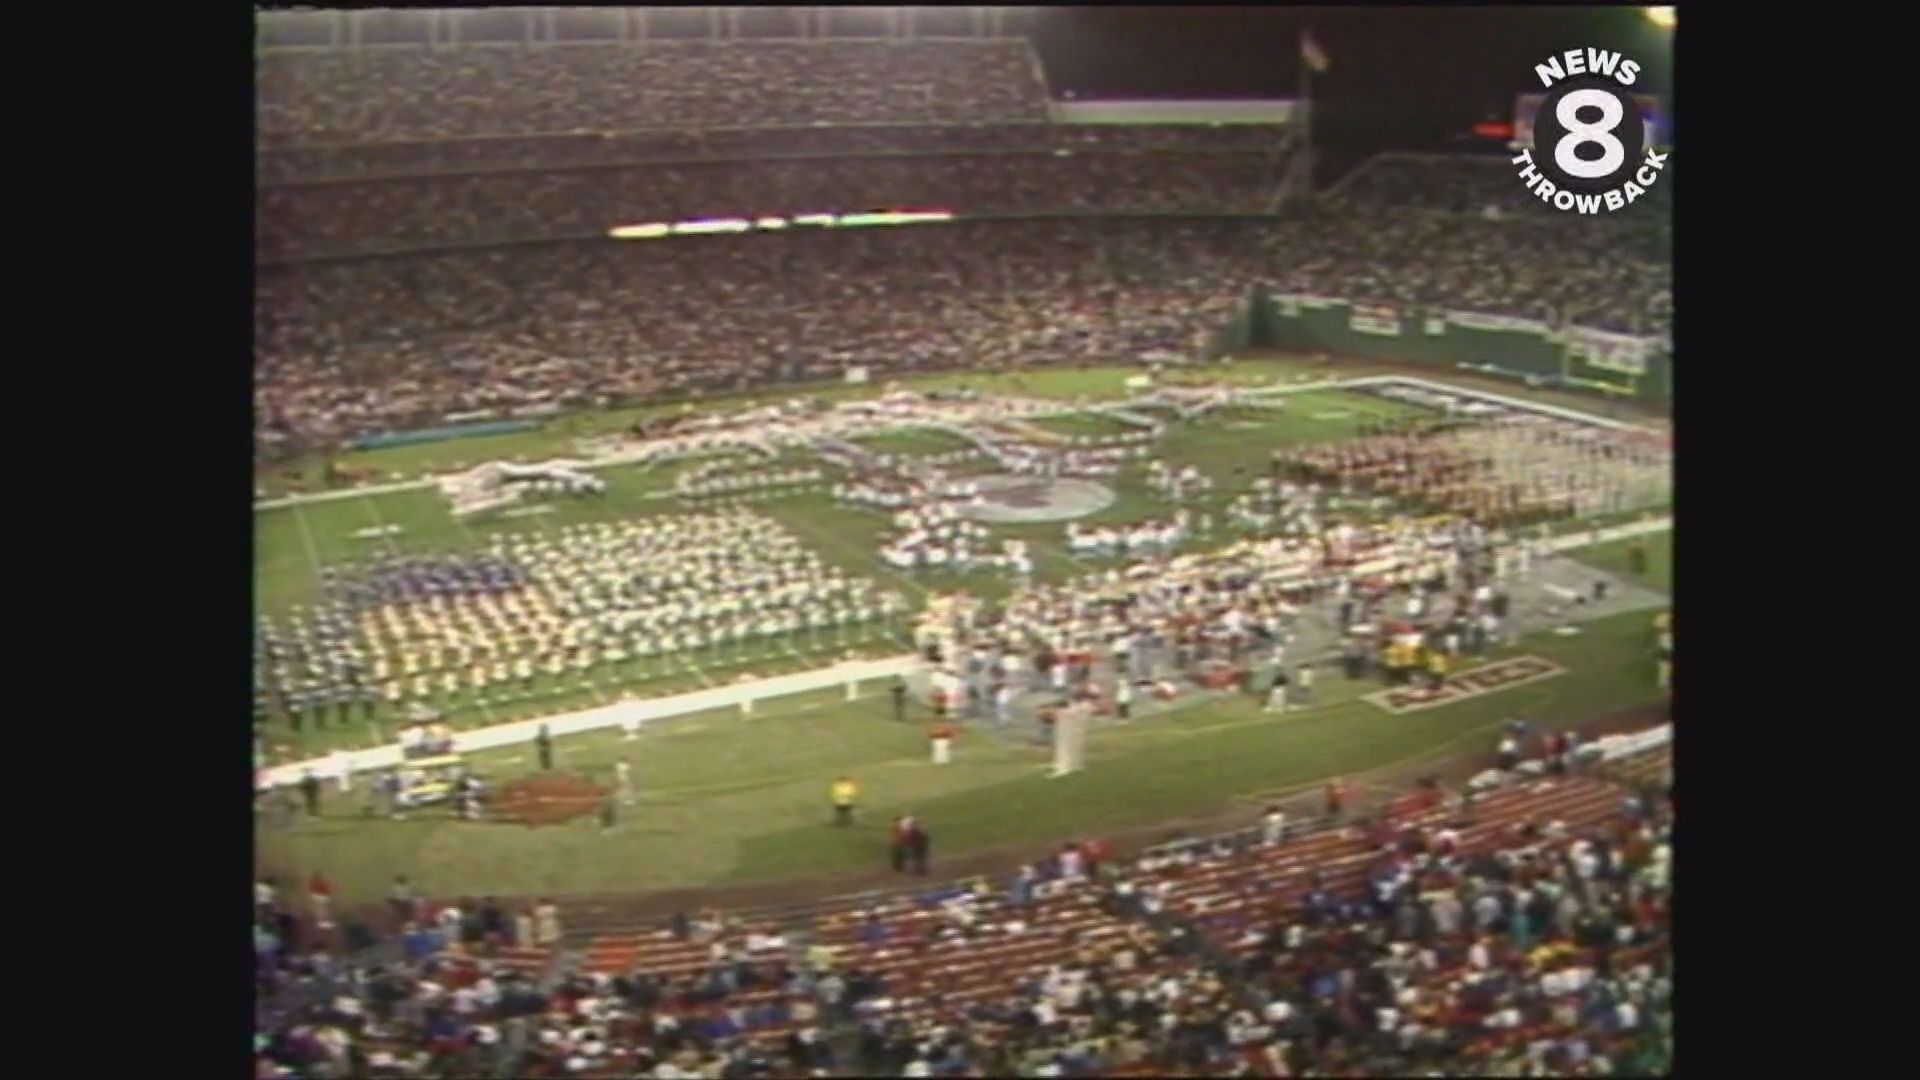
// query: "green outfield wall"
[[1490, 344]]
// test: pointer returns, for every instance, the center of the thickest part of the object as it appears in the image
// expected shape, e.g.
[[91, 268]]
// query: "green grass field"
[[1616, 557], [293, 542], [726, 799], [1083, 424], [730, 800], [561, 435], [913, 442]]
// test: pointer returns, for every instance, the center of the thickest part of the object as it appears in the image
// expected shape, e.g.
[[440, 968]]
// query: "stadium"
[[962, 541]]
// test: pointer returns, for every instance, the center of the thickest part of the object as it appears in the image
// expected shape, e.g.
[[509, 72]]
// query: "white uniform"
[[623, 780]]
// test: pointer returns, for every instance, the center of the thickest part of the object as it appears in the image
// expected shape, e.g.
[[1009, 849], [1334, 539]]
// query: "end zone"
[[1485, 679]]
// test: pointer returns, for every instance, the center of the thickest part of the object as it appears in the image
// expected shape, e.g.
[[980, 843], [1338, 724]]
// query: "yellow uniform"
[[844, 792]]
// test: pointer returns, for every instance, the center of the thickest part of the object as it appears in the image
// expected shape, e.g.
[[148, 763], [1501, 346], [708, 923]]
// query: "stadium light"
[[1662, 17]]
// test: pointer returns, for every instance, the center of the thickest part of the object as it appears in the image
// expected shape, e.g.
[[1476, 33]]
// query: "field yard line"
[[306, 541], [380, 521]]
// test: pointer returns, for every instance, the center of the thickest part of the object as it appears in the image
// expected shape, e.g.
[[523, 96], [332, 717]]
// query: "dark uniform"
[[918, 843], [310, 791], [899, 691], [544, 742]]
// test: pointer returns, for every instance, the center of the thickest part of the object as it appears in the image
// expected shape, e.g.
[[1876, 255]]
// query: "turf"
[[727, 799], [1616, 557], [913, 442], [730, 799], [293, 542], [562, 435], [1084, 424]]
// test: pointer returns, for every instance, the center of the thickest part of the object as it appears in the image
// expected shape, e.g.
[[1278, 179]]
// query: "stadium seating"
[[348, 348], [279, 166], [1462, 184], [346, 218], [351, 347], [401, 93], [1202, 958]]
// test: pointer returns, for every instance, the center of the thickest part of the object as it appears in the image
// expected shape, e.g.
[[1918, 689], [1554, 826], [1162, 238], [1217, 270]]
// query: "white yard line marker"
[[386, 537]]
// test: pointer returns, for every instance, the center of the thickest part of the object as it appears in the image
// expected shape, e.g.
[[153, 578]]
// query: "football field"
[[728, 799], [724, 799]]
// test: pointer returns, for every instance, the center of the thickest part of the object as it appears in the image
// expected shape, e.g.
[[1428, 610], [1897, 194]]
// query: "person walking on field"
[[899, 692], [623, 781], [900, 842], [942, 739], [544, 742], [1277, 696], [310, 791], [1123, 700], [918, 843], [844, 792]]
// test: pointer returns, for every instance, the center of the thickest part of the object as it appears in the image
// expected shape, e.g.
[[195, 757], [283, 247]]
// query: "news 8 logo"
[[1589, 149]]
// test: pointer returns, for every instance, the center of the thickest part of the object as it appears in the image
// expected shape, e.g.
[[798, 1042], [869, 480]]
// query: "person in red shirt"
[[1095, 852], [900, 837], [320, 892]]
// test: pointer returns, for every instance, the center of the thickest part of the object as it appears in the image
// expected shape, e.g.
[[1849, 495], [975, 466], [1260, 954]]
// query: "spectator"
[[320, 893], [546, 923]]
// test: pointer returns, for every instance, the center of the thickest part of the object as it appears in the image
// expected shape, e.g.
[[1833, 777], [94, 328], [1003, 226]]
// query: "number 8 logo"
[[1577, 134]]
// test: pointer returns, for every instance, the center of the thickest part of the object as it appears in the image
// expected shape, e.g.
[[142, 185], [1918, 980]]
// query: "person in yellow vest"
[[1437, 667], [844, 793], [1401, 660]]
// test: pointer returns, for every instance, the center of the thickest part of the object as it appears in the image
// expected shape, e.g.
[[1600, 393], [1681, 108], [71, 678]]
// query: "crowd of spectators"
[[581, 138], [306, 164], [411, 93], [1475, 184], [351, 347], [442, 989], [398, 215], [1522, 931], [1558, 270], [1533, 949], [347, 348]]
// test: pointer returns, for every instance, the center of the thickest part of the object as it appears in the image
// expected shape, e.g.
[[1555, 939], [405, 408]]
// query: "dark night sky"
[[1403, 77]]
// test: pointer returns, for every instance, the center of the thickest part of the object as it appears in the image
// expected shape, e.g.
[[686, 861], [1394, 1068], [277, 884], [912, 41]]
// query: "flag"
[[1315, 56]]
